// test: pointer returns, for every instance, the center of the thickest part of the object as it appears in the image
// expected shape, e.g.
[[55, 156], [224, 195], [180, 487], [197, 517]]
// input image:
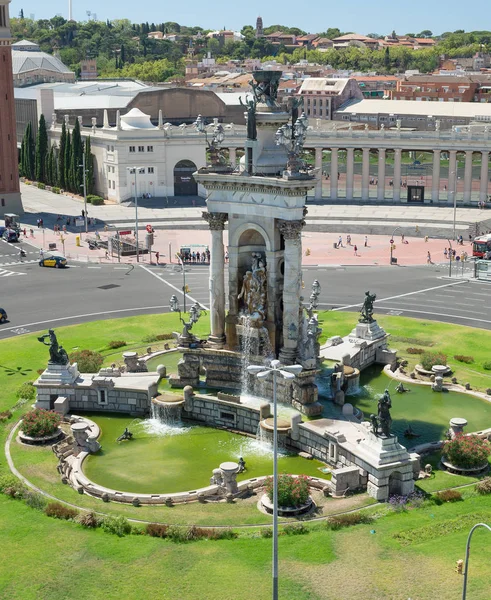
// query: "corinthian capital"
[[216, 221], [291, 230]]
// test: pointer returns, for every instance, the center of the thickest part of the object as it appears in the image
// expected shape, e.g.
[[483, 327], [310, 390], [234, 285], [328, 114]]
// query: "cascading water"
[[246, 348], [165, 418]]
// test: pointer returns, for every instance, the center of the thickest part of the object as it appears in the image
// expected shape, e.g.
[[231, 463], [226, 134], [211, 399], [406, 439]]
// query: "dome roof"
[[136, 119]]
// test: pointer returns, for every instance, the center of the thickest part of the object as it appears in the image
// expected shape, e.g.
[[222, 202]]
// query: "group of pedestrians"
[[348, 243]]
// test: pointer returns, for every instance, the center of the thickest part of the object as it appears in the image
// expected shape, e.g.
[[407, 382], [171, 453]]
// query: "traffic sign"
[[391, 241], [125, 232]]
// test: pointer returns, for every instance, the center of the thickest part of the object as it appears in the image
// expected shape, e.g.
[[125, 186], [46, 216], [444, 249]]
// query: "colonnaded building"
[[383, 161]]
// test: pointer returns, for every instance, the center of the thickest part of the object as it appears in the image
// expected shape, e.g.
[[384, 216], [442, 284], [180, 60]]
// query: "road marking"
[[422, 306], [438, 287], [172, 286], [425, 312], [20, 330], [94, 267]]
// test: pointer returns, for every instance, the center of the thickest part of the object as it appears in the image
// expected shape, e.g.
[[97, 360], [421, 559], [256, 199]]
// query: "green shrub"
[[487, 365], [95, 200], [448, 496], [55, 190], [26, 391], [5, 416], [60, 511], [40, 422], [88, 519], [467, 451], [149, 339], [7, 481], [292, 491], [483, 487], [157, 530], [295, 529], [87, 361], [267, 532], [415, 350], [177, 534], [340, 521], [119, 526], [35, 500], [465, 359], [430, 359], [41, 186], [116, 344], [163, 336]]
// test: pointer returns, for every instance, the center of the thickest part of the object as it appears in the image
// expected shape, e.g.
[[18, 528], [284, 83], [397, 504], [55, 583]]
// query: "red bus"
[[481, 245]]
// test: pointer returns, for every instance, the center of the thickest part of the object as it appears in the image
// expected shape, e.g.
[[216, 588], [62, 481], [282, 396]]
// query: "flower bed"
[[40, 423], [293, 491], [466, 453]]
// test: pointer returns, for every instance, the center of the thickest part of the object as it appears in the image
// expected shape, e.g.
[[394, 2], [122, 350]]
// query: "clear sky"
[[360, 16]]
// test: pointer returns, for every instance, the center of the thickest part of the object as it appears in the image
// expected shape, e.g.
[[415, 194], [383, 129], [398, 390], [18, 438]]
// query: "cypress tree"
[[66, 162], [76, 159], [41, 151], [89, 166], [50, 179], [387, 59], [28, 161], [61, 158]]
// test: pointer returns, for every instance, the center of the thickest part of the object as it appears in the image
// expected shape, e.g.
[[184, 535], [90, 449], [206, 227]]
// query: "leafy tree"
[[61, 157], [75, 178], [387, 58], [426, 33], [28, 157], [89, 166], [41, 151]]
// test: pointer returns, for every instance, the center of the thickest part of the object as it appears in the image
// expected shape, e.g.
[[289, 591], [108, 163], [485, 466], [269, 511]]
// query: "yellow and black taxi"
[[53, 260], [3, 315]]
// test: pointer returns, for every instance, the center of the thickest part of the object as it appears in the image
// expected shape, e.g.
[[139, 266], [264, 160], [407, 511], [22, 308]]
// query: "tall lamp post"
[[134, 171], [287, 372], [455, 174], [467, 552], [84, 186], [392, 243]]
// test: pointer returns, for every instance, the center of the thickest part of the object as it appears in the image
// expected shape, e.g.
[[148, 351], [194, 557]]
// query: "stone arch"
[[240, 231], [184, 182], [395, 483]]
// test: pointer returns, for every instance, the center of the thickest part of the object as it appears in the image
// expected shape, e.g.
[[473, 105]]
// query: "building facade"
[[10, 200], [322, 96]]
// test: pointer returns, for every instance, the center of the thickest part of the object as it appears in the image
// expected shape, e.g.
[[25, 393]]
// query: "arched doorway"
[[395, 483], [184, 183]]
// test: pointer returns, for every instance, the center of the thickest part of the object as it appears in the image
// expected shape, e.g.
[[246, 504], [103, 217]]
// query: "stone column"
[[468, 176], [232, 154], [397, 174], [483, 189], [216, 222], [381, 174], [334, 174], [318, 173], [350, 165], [452, 177], [435, 180], [291, 231], [365, 175]]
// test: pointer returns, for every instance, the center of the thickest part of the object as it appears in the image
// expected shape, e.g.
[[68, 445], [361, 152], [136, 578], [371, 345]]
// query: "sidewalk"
[[317, 245]]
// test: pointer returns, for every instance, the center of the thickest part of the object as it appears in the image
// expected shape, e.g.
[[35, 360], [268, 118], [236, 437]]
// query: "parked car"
[[53, 260], [3, 315], [10, 235]]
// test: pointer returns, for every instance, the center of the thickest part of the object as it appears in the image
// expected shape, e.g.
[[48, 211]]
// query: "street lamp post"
[[455, 174], [287, 372], [392, 243], [467, 553], [84, 185], [134, 171]]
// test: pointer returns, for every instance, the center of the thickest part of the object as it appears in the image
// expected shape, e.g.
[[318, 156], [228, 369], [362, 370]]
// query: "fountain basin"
[[168, 400], [286, 511], [352, 379], [283, 426]]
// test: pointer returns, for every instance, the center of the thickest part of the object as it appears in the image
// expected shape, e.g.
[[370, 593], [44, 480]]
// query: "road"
[[37, 298]]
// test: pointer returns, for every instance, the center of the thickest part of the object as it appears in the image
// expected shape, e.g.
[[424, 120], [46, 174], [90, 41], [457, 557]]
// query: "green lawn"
[[400, 556]]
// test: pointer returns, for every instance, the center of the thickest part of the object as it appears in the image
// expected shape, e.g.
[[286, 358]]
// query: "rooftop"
[[409, 107]]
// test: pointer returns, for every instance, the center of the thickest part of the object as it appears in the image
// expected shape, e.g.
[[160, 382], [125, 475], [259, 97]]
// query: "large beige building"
[[323, 96], [31, 66]]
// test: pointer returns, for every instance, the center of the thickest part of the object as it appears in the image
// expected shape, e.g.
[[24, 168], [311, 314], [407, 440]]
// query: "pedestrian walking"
[[355, 248], [445, 253], [402, 239], [107, 254], [426, 238], [366, 241], [157, 256], [340, 242], [428, 258], [31, 231], [226, 256], [41, 253], [348, 240]]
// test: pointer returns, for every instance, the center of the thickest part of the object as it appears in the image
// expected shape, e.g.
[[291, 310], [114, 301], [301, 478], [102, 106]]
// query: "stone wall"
[[220, 413]]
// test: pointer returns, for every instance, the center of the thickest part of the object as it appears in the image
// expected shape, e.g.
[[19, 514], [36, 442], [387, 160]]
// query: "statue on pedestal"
[[250, 117], [367, 308], [254, 288], [57, 354], [384, 418]]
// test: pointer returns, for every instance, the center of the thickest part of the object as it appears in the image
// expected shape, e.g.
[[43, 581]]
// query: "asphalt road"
[[37, 298]]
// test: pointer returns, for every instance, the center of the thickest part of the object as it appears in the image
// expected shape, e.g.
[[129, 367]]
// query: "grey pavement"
[[322, 217]]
